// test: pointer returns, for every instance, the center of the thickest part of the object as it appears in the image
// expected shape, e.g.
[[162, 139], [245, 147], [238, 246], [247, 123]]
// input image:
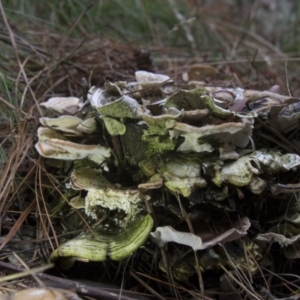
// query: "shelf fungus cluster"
[[206, 147]]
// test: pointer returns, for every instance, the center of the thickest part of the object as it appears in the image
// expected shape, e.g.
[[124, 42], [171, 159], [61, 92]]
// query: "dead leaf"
[[166, 234]]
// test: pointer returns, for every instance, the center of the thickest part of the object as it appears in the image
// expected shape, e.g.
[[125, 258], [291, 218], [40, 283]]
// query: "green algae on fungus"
[[102, 193], [157, 125], [148, 167], [112, 103], [206, 138], [238, 173], [180, 174], [215, 110], [157, 133], [187, 100], [244, 171], [158, 144], [113, 198], [100, 244], [197, 99], [134, 148], [113, 126]]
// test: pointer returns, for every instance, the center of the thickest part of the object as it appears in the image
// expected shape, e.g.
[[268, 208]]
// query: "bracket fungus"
[[180, 174], [202, 139], [124, 199], [111, 102], [144, 76], [100, 192], [99, 245], [63, 105], [150, 86], [53, 144], [70, 125], [159, 146], [66, 150], [197, 99]]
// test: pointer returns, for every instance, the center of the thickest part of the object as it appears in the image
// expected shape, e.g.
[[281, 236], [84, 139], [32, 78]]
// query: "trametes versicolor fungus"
[[189, 139]]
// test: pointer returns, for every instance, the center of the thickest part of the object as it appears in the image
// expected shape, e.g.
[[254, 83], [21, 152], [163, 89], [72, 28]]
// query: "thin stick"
[[26, 273], [287, 79], [27, 268], [168, 271], [239, 283], [143, 283], [187, 219], [18, 224]]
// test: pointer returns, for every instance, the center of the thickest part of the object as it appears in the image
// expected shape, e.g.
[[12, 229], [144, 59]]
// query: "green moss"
[[158, 144]]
